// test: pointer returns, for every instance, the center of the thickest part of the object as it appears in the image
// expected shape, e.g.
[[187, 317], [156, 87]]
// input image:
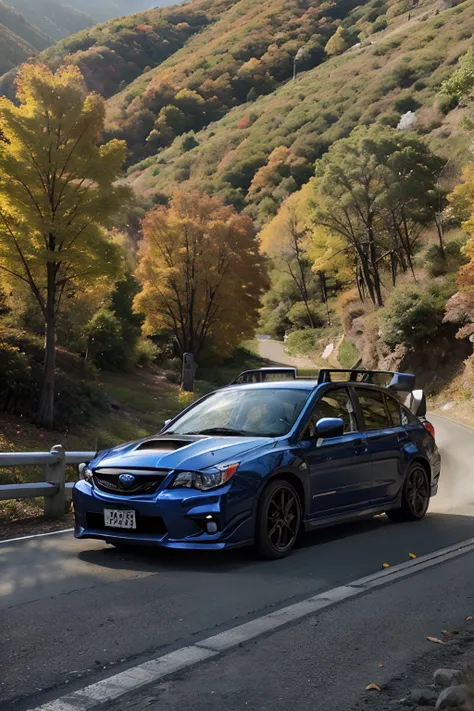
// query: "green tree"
[[57, 192], [461, 82], [338, 43]]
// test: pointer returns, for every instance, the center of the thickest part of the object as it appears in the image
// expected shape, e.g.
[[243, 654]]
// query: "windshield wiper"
[[224, 431]]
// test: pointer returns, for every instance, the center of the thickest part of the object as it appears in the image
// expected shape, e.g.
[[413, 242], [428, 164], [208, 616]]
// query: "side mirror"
[[329, 427]]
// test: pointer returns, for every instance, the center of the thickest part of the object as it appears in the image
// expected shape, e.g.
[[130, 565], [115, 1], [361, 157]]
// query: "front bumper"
[[173, 518]]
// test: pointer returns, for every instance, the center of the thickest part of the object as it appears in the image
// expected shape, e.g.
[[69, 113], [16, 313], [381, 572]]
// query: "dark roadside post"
[[189, 368]]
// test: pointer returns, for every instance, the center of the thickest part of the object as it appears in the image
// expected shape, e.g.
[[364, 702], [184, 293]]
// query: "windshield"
[[258, 412]]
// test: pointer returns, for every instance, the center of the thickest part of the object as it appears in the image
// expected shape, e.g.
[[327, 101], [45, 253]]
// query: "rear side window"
[[395, 410], [373, 409]]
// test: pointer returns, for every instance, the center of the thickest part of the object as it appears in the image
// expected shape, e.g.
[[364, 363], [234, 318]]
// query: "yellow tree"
[[57, 191], [201, 273], [284, 241]]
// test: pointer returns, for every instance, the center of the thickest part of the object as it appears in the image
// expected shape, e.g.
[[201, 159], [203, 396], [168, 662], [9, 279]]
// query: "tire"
[[415, 496], [277, 531]]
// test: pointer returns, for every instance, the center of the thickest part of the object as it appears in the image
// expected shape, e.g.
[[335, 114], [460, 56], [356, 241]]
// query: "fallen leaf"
[[468, 619], [373, 687], [385, 565], [380, 666], [412, 555], [435, 640], [449, 634]]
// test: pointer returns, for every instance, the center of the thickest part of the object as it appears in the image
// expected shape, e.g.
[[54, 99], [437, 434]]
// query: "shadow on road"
[[352, 543]]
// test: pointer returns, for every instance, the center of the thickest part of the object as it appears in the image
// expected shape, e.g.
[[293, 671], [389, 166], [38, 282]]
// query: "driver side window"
[[335, 403]]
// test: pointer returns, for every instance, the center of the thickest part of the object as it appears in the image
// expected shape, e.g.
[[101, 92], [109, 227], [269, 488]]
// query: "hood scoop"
[[163, 444]]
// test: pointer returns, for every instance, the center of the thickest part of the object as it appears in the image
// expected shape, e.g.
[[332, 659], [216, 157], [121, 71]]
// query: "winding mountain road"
[[73, 613]]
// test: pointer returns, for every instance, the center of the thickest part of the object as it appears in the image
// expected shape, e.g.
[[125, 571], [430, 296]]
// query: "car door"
[[384, 444], [339, 467]]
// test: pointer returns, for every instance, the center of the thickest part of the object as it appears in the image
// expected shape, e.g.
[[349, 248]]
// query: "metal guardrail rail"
[[54, 487]]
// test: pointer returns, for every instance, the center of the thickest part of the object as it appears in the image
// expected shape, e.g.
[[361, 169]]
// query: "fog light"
[[211, 527]]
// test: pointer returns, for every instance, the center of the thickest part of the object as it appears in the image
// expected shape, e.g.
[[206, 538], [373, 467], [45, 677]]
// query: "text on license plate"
[[119, 518]]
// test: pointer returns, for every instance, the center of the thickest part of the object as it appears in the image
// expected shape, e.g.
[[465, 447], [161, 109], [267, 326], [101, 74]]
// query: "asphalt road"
[[72, 612]]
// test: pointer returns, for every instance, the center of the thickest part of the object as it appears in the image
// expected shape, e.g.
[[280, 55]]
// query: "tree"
[[56, 193], [338, 43], [284, 240], [201, 274], [461, 82], [376, 190]]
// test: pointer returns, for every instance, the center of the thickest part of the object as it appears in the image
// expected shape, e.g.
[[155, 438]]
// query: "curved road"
[[72, 612]]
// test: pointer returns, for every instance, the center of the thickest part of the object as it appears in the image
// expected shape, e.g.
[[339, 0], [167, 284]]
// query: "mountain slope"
[[264, 150], [19, 39], [248, 51], [55, 19]]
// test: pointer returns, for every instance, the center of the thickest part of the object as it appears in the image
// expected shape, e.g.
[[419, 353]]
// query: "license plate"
[[114, 518]]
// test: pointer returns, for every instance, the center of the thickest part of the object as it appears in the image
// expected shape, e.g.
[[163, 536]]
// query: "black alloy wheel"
[[415, 496], [279, 520]]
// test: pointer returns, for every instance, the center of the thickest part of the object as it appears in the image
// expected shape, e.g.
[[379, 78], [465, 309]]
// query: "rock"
[[423, 697], [452, 698], [447, 677]]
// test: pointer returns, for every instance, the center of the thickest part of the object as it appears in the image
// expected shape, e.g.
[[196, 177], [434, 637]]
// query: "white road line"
[[462, 425], [157, 669], [36, 535]]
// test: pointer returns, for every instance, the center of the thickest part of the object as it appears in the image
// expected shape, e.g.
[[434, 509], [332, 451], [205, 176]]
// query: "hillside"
[[54, 18], [19, 39], [265, 149]]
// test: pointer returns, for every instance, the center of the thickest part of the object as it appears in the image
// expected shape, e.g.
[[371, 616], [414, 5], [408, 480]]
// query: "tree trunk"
[[439, 227], [374, 266], [45, 413]]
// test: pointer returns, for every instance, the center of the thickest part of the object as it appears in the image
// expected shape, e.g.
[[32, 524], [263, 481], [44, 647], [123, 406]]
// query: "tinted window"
[[373, 409], [335, 403], [395, 410]]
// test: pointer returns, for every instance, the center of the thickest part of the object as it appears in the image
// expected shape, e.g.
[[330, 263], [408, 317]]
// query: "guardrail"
[[54, 487]]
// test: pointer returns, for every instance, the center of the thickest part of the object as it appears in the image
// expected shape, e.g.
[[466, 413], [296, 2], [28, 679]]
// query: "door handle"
[[403, 437], [360, 446]]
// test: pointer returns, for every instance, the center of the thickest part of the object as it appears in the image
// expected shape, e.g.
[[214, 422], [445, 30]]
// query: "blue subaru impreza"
[[264, 458]]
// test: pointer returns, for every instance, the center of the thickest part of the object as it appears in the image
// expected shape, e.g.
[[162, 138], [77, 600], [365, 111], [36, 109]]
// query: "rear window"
[[373, 409], [395, 410]]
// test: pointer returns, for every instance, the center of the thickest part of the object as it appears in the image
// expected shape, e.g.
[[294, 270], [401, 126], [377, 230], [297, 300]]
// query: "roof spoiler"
[[400, 382]]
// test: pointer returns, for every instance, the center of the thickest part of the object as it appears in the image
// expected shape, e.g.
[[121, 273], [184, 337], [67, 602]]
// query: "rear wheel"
[[415, 496], [279, 520]]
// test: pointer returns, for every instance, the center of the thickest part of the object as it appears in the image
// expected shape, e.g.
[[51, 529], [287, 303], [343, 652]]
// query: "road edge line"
[[154, 670], [36, 535]]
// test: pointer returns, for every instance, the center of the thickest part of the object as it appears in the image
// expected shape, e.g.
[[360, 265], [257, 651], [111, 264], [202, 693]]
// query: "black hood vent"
[[163, 444]]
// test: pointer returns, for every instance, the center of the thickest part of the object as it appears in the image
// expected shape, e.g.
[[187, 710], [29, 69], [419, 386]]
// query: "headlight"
[[85, 473], [207, 478]]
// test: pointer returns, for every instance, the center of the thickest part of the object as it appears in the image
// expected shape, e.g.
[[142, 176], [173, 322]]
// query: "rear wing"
[[402, 385], [262, 375]]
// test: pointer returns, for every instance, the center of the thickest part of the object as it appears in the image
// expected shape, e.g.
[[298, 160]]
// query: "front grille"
[[145, 482], [145, 525]]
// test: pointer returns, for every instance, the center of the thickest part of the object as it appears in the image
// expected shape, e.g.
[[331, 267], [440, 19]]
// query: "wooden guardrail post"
[[54, 506]]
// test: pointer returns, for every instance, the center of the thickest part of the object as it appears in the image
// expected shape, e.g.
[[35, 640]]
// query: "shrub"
[[413, 316], [107, 349], [437, 265], [301, 342], [16, 382], [447, 103], [299, 317], [406, 103], [146, 352]]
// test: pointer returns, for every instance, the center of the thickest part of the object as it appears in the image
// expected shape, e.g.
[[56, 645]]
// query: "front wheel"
[[279, 520], [415, 496]]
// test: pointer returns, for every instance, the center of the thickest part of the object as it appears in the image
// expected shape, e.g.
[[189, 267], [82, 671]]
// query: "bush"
[[146, 352], [447, 103], [437, 265], [107, 348], [301, 342], [413, 316], [16, 383], [299, 317]]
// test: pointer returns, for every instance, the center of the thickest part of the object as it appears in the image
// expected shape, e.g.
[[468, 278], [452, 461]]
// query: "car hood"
[[178, 452]]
